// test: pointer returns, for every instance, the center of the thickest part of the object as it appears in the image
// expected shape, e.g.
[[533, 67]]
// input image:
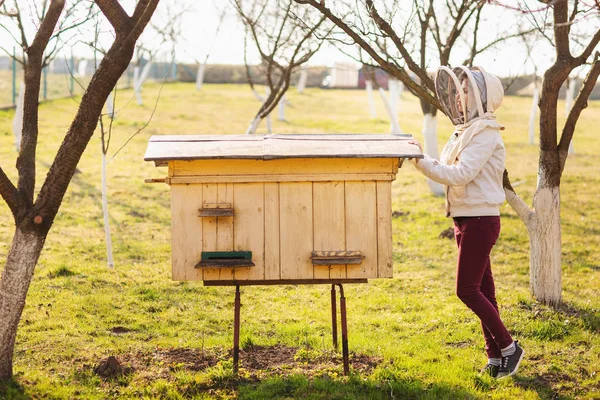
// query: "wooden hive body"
[[299, 203]]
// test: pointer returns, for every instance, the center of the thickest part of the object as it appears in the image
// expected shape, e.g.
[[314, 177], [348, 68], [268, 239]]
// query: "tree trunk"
[[393, 117], [369, 87], [21, 261], [253, 126], [431, 149], [200, 76], [302, 81], [545, 240], [109, 255], [281, 116]]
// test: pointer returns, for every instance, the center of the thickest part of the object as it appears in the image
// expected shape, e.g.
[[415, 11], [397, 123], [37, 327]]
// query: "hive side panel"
[[296, 237], [272, 265], [209, 229], [225, 227], [329, 225], [186, 231], [248, 227], [361, 227], [384, 230]]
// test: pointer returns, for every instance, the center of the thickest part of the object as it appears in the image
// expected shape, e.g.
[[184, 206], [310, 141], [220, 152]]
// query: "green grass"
[[425, 343]]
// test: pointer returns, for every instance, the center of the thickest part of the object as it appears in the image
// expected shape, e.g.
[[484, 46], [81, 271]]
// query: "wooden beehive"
[[281, 208]]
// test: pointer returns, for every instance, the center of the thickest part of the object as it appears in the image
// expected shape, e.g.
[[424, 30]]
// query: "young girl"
[[472, 166]]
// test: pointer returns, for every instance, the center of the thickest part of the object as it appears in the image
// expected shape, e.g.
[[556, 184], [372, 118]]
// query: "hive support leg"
[[344, 331], [236, 329], [334, 317]]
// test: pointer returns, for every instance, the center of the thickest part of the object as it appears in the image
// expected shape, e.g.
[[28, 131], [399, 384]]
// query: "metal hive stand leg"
[[236, 329], [334, 317], [344, 331]]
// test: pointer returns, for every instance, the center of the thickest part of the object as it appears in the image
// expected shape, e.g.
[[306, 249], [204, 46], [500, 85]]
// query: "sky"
[[199, 37]]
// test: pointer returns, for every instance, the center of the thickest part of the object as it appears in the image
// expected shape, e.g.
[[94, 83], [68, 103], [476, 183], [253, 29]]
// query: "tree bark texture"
[[16, 276]]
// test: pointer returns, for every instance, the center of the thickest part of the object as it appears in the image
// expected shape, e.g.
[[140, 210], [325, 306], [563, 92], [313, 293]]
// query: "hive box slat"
[[290, 196]]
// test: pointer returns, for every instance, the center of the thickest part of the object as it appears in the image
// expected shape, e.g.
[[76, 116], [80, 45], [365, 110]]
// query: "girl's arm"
[[471, 161]]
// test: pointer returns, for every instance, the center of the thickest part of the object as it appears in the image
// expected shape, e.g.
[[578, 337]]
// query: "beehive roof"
[[164, 148]]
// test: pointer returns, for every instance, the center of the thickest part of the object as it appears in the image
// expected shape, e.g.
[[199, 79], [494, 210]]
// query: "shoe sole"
[[516, 367]]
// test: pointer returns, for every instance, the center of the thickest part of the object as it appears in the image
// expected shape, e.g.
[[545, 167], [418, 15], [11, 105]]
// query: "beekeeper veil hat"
[[465, 93]]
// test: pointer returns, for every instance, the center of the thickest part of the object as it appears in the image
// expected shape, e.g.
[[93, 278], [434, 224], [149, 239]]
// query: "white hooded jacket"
[[472, 161]]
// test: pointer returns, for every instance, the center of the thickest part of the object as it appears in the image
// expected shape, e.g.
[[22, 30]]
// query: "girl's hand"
[[416, 143]]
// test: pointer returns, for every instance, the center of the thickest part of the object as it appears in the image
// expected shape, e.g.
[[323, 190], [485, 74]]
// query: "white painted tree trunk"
[[533, 115], [137, 86], [281, 116], [253, 126], [369, 87], [18, 118], [109, 253], [393, 117], [16, 277], [393, 99], [431, 149], [200, 76], [269, 124], [545, 241], [302, 80], [82, 68], [138, 80], [110, 105], [570, 95]]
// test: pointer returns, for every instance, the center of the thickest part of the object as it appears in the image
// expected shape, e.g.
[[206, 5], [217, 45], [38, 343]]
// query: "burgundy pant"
[[475, 237]]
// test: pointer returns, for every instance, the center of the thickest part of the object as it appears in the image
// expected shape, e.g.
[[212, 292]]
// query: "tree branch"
[[561, 29], [587, 52], [384, 64], [9, 193], [581, 102], [33, 72], [517, 203], [115, 14], [388, 30]]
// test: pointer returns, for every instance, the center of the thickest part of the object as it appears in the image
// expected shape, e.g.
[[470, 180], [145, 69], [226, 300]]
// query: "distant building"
[[344, 76]]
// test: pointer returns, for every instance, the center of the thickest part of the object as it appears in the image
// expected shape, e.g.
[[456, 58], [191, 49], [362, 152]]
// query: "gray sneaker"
[[510, 364]]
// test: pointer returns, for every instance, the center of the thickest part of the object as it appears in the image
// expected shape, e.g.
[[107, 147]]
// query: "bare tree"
[[286, 36], [34, 215], [13, 21], [543, 220]]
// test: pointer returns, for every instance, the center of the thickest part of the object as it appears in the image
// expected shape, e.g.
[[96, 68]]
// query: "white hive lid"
[[164, 148]]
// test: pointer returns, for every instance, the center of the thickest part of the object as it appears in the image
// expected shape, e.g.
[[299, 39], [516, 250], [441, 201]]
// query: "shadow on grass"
[[542, 385], [12, 390], [353, 387]]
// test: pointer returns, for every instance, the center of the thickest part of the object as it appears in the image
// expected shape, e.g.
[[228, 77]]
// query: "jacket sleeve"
[[472, 159]]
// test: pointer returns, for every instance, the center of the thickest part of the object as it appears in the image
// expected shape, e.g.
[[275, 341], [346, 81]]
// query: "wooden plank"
[[225, 224], [186, 231], [285, 282], [215, 212], [272, 264], [296, 166], [296, 236], [206, 138], [361, 227], [178, 232], [385, 260], [248, 228], [284, 146], [329, 224], [336, 257], [279, 178], [209, 228], [166, 151], [337, 253]]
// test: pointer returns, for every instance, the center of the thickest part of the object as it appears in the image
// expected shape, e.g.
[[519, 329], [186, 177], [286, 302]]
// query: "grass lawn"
[[410, 337]]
